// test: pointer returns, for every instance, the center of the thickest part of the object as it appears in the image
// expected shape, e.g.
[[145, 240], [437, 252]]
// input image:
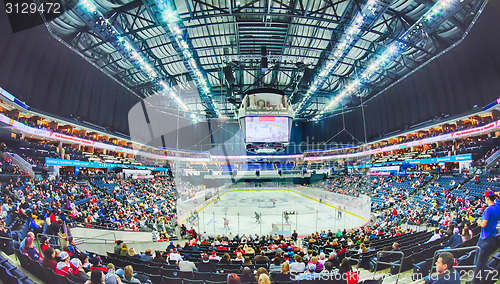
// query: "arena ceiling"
[[205, 54]]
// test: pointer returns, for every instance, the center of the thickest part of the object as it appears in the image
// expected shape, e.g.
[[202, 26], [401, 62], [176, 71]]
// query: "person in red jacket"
[[63, 267]]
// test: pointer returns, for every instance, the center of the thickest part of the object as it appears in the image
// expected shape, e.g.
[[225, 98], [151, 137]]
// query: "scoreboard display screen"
[[266, 129]]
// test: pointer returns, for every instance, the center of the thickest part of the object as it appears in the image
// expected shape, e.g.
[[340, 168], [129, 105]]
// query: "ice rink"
[[240, 208]]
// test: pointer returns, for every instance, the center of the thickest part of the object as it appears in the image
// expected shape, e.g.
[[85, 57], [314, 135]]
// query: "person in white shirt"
[[174, 255], [186, 265], [297, 266], [214, 256], [205, 236], [436, 236]]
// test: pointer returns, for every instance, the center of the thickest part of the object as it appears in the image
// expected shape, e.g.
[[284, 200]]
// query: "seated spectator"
[[233, 278], [239, 258], [147, 256], [275, 266], [247, 261], [96, 277], [96, 264], [466, 233], [159, 257], [62, 267], [174, 256], [333, 259], [297, 266], [362, 248], [49, 259], [44, 243], [111, 277], [185, 265], [285, 273], [436, 236], [248, 249], [328, 271], [128, 275], [445, 272], [246, 276], [85, 262], [118, 247], [132, 253], [28, 235], [310, 273], [31, 251], [346, 272], [319, 265], [226, 259], [260, 272], [260, 258], [78, 274], [206, 265], [264, 279], [72, 247], [124, 251], [214, 256], [455, 240]]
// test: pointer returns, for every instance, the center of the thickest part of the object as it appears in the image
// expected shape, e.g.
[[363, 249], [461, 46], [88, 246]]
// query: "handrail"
[[492, 158], [22, 163], [98, 237], [10, 233], [476, 250], [400, 265], [39, 235]]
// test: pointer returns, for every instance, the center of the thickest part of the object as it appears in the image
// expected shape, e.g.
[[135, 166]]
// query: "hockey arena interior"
[[249, 141]]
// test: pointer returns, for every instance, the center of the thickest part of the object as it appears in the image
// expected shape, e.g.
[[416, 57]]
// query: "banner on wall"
[[75, 163], [137, 174]]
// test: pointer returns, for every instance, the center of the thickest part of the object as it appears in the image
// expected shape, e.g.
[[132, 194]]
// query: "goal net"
[[281, 229]]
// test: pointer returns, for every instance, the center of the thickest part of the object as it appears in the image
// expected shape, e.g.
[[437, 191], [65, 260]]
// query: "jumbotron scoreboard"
[[265, 116]]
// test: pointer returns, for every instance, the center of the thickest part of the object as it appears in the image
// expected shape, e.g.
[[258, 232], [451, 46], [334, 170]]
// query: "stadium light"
[[352, 34], [126, 47], [428, 21], [165, 13]]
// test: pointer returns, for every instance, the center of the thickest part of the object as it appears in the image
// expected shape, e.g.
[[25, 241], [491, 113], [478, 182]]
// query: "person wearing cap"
[[77, 275], [214, 256], [445, 272], [487, 241], [309, 274], [206, 265], [118, 247], [186, 266], [44, 243], [63, 268], [170, 246], [455, 239], [174, 256]]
